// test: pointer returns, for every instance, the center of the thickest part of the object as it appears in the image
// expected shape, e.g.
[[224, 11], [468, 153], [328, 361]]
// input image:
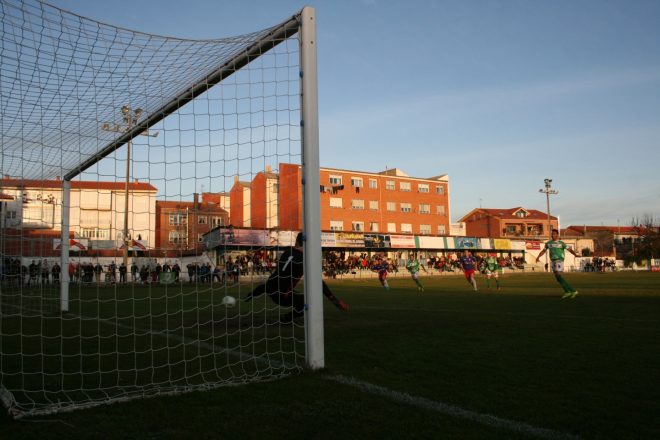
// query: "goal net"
[[148, 185]]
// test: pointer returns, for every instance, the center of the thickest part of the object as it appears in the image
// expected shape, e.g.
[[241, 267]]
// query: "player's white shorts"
[[490, 273], [557, 266], [415, 275]]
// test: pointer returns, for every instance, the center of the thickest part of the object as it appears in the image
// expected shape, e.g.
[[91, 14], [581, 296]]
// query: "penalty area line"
[[453, 410]]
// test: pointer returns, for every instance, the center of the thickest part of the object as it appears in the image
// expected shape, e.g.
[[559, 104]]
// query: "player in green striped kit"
[[492, 269], [413, 267], [557, 248]]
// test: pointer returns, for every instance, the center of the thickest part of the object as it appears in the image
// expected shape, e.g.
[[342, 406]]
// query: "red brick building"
[[240, 204], [389, 201], [508, 223], [264, 201], [180, 225]]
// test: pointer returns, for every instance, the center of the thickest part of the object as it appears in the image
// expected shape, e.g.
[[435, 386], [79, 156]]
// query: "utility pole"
[[548, 191], [129, 121]]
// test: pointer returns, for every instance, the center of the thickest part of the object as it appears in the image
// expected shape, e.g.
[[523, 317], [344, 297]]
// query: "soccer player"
[[557, 248], [413, 267], [468, 263], [492, 270], [279, 286], [381, 267]]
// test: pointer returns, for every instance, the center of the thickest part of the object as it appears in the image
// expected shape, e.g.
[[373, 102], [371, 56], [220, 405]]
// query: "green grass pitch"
[[587, 367]]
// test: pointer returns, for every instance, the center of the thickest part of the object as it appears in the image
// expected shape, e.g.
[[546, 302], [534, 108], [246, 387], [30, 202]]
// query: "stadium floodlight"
[[129, 121], [547, 189], [230, 112]]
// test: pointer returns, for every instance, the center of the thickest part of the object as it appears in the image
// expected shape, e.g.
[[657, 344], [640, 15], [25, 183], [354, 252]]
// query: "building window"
[[406, 207], [357, 226], [441, 230], [425, 229], [373, 227], [391, 227], [335, 180], [406, 228], [373, 205], [217, 221], [178, 219], [373, 183], [335, 202], [391, 206], [178, 237], [336, 225], [92, 217], [357, 182], [424, 208], [423, 187], [405, 186], [440, 209], [440, 190], [202, 220], [521, 214], [96, 233], [357, 204], [390, 185], [10, 215], [200, 238], [275, 188]]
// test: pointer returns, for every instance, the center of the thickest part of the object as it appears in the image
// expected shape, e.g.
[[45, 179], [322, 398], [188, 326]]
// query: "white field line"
[[489, 312], [453, 410]]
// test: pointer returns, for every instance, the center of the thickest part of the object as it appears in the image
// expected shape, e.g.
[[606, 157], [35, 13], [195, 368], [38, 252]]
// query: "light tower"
[[548, 191], [129, 121]]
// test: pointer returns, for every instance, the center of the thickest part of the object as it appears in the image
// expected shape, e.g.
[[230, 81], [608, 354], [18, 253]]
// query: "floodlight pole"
[[130, 120], [548, 190]]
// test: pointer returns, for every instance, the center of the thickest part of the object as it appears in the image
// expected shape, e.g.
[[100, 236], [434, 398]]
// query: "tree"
[[647, 246]]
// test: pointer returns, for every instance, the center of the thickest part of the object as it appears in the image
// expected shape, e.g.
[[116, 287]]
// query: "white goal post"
[[149, 184]]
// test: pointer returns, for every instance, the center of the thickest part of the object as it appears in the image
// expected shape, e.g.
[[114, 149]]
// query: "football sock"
[[567, 287]]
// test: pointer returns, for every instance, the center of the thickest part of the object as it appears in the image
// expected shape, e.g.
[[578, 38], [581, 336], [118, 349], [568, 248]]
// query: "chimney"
[[269, 168], [195, 201], [235, 179]]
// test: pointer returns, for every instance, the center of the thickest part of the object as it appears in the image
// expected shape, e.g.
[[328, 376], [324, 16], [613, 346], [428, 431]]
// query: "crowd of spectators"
[[598, 264], [15, 274], [340, 262]]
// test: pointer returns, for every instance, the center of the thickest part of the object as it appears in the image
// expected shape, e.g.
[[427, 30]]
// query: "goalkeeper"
[[413, 267], [281, 283]]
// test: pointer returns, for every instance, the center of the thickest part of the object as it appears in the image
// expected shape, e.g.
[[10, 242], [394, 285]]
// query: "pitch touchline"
[[453, 410]]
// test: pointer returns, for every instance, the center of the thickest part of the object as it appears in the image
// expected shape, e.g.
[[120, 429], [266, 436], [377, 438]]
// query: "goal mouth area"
[[120, 151], [154, 345]]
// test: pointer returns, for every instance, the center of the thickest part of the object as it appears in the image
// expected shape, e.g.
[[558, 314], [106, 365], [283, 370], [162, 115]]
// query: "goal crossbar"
[[275, 36]]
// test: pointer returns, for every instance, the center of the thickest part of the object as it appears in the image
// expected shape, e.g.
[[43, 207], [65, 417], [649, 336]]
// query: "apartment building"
[[97, 211], [508, 223], [240, 203], [388, 202], [181, 225]]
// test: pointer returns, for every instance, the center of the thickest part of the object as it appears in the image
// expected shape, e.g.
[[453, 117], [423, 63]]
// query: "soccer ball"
[[229, 301]]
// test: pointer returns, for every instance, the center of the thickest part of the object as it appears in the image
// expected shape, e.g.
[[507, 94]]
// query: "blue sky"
[[497, 94]]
